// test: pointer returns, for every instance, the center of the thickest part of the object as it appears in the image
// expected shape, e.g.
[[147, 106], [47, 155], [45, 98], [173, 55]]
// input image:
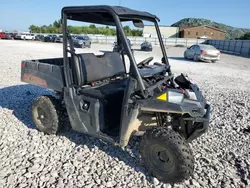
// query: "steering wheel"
[[145, 62]]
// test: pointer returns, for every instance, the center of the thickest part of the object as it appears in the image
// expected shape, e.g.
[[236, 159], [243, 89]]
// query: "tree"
[[127, 30], [246, 36], [136, 32], [92, 26], [33, 28], [57, 24], [56, 27]]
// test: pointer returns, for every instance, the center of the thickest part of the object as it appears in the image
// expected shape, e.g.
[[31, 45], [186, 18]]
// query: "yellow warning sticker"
[[162, 97]]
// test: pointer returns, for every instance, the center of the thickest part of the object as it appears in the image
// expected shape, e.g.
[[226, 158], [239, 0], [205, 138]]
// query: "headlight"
[[80, 42]]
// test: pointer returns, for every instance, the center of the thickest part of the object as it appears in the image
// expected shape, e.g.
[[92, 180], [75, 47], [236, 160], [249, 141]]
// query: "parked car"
[[59, 39], [116, 47], [2, 35], [13, 35], [146, 46], [82, 41], [49, 38], [8, 36], [25, 36], [74, 36], [54, 37], [202, 52], [39, 37]]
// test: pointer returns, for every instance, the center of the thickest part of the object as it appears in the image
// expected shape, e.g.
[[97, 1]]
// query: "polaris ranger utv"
[[104, 101]]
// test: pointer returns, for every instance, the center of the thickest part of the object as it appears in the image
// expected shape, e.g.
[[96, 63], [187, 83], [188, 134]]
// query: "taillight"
[[203, 52], [22, 65]]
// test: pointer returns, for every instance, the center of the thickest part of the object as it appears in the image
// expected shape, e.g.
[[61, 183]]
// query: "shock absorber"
[[163, 119], [159, 119]]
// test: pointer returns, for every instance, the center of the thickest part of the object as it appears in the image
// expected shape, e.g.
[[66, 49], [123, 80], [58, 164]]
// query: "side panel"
[[129, 122], [42, 74], [85, 113], [177, 101], [154, 105]]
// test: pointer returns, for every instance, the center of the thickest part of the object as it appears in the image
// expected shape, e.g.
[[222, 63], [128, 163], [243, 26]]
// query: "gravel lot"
[[29, 158]]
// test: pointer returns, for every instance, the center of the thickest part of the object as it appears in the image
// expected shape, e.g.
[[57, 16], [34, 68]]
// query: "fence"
[[154, 41], [138, 40], [241, 47]]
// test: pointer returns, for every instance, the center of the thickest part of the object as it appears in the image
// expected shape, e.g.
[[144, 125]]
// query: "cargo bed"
[[44, 72]]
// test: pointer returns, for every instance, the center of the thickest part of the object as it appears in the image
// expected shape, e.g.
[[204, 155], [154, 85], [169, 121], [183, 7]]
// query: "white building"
[[166, 31]]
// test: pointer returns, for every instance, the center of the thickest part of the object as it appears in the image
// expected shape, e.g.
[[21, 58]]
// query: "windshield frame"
[[134, 71]]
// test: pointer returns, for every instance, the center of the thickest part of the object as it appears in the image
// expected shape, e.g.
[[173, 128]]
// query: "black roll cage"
[[75, 13]]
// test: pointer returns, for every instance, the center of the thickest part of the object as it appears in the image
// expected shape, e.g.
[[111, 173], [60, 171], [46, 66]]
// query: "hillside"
[[231, 32]]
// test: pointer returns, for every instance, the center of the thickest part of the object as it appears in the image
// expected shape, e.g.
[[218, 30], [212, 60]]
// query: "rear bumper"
[[204, 124], [209, 58]]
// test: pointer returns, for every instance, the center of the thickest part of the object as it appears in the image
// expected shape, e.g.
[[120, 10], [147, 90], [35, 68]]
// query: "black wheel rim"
[[161, 159]]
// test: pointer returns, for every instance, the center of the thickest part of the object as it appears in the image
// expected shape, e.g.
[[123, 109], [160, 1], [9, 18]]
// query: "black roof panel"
[[102, 14]]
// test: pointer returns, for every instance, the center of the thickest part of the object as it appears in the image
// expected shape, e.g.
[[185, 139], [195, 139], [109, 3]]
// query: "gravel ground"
[[31, 159]]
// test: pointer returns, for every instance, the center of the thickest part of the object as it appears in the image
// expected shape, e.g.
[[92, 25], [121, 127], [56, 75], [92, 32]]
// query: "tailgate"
[[42, 74]]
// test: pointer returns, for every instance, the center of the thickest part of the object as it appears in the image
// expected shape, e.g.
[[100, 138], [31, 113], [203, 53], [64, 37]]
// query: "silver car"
[[82, 41], [202, 52], [59, 39]]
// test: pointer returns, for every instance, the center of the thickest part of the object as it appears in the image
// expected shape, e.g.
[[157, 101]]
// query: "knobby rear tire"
[[46, 114]]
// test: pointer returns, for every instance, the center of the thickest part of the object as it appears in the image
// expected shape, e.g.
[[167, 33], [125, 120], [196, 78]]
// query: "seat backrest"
[[90, 68]]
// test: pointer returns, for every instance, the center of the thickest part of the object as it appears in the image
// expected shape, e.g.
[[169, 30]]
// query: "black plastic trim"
[[205, 120]]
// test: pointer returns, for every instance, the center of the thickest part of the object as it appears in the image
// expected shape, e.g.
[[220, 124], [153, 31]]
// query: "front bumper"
[[47, 40], [146, 48], [79, 45], [58, 40], [204, 124]]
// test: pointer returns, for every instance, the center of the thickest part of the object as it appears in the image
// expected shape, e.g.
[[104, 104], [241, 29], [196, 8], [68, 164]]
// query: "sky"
[[20, 14]]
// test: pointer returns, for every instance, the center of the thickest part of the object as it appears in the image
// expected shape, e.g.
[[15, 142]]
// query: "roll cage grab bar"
[[134, 72]]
